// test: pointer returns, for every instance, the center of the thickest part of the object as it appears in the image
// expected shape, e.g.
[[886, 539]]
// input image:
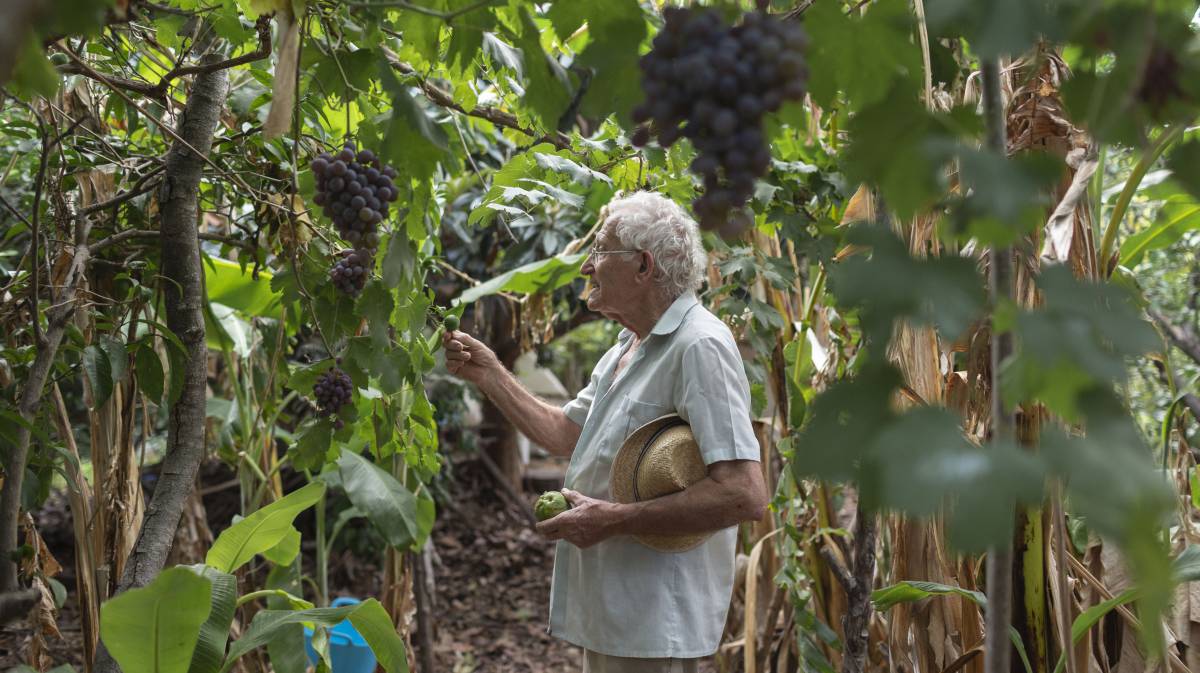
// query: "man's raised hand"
[[468, 358]]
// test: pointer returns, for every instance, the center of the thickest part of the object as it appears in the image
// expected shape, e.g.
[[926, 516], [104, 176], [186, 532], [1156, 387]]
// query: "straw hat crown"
[[659, 458]]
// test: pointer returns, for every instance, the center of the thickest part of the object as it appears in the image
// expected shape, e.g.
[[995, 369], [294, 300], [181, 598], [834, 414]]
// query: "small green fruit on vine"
[[450, 323], [58, 58], [550, 505]]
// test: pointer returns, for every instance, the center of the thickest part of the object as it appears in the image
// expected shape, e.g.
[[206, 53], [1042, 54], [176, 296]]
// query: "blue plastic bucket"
[[348, 650]]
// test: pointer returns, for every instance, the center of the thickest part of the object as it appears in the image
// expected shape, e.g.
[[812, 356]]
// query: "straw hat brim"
[[667, 438]]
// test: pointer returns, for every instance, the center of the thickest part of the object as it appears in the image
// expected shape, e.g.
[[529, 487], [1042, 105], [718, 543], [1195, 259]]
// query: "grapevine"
[[354, 190], [712, 83]]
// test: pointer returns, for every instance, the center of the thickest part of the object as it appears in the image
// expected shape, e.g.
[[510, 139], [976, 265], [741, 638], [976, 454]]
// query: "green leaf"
[[240, 288], [895, 126], [373, 622], [860, 56], [150, 376], [1077, 340], [365, 616], [269, 623], [911, 591], [262, 530], [286, 551], [413, 143], [421, 31], [375, 304], [946, 292], [390, 507], [546, 91], [994, 29], [843, 422], [210, 647], [1184, 162], [286, 646], [1088, 618], [33, 74], [545, 275], [400, 261], [1176, 217], [616, 30], [98, 368], [312, 449], [155, 629]]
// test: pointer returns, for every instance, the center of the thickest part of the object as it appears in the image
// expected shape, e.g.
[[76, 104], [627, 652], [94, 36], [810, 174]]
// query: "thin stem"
[[998, 653], [322, 556], [1131, 184]]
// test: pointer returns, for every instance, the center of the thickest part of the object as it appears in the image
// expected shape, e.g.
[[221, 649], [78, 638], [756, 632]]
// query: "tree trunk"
[[183, 301], [856, 623], [998, 654], [31, 399]]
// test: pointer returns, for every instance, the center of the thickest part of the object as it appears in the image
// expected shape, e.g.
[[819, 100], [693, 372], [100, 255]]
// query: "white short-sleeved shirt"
[[620, 597]]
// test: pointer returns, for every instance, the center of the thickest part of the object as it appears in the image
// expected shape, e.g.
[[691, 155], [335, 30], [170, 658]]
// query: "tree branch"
[[128, 234], [1183, 338], [140, 187], [499, 117], [158, 91]]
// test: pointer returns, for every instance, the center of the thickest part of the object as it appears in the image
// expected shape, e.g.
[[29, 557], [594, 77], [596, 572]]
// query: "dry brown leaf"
[[1061, 227]]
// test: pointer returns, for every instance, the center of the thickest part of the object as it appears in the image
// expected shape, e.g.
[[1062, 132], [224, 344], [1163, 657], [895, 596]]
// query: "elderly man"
[[630, 607]]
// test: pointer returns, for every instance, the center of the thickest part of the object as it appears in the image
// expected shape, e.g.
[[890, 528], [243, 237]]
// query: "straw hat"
[[658, 459]]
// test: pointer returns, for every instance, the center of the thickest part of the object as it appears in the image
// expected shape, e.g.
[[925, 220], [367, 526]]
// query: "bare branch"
[[140, 187], [840, 572]]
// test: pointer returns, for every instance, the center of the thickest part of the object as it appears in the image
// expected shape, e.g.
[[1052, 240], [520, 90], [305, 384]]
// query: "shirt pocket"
[[639, 413]]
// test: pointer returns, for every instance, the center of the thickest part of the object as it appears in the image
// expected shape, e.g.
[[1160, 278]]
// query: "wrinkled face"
[[613, 275]]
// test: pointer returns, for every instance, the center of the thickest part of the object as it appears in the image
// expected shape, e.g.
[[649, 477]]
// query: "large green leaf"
[[546, 91], [155, 629], [616, 29], [368, 617], [228, 283], [910, 591], [390, 507], [860, 56], [262, 530], [210, 647], [373, 622], [412, 142], [1179, 214], [545, 275]]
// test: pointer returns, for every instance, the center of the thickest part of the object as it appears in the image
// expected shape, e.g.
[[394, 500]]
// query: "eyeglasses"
[[596, 253]]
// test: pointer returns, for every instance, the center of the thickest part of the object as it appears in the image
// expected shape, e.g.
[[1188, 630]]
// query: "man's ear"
[[647, 264]]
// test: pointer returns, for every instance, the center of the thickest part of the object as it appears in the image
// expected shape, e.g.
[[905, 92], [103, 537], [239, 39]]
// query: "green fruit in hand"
[[450, 323], [550, 505]]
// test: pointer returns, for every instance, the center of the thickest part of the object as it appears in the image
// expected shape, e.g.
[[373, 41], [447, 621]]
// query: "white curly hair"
[[652, 222]]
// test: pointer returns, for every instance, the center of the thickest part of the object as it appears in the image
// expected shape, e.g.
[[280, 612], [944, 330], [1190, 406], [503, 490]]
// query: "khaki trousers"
[[594, 662]]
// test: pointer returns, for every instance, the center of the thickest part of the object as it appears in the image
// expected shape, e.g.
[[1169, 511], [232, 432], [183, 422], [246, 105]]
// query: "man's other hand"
[[469, 358], [587, 522]]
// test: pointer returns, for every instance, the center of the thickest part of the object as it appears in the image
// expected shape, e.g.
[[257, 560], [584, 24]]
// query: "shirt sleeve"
[[577, 409], [713, 396]]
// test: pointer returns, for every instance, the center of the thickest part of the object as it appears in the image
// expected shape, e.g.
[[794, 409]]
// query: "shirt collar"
[[670, 320], [673, 316]]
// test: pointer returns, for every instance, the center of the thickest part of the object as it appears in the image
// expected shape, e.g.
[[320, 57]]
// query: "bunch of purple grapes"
[[712, 83], [354, 190], [333, 390]]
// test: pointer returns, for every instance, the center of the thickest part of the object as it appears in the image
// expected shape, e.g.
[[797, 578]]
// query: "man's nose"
[[588, 267]]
